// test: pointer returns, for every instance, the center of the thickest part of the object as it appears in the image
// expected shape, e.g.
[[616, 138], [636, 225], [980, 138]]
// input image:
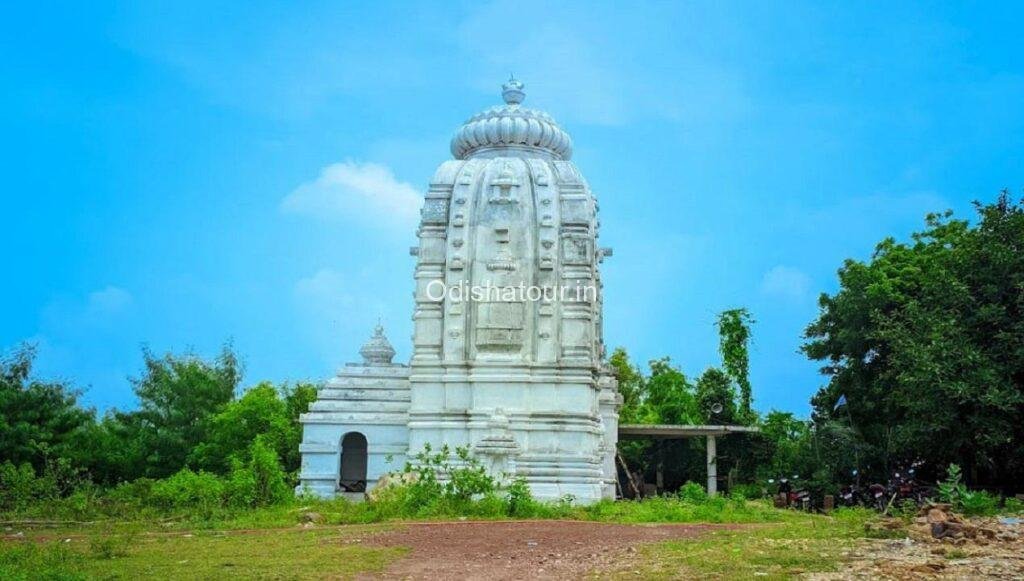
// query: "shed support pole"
[[712, 467]]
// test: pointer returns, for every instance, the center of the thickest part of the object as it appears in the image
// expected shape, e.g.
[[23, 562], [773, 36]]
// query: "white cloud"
[[785, 282], [354, 191], [108, 300]]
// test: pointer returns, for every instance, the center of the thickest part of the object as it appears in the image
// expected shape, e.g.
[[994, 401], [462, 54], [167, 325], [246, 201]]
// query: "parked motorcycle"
[[791, 496]]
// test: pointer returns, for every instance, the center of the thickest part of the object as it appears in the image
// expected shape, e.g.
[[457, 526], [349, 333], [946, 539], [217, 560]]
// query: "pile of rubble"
[[939, 544], [938, 523]]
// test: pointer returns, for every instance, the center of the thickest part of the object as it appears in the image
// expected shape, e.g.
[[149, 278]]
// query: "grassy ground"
[[268, 542], [120, 553], [799, 544]]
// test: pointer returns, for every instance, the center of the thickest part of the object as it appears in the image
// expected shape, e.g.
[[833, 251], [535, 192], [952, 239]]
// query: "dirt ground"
[[979, 548], [908, 559], [518, 550]]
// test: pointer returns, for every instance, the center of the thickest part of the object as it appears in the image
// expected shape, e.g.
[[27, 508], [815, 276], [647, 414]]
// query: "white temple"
[[507, 345]]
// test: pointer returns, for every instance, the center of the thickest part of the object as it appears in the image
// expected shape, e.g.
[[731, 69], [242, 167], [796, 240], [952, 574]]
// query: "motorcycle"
[[851, 494], [877, 497], [790, 496]]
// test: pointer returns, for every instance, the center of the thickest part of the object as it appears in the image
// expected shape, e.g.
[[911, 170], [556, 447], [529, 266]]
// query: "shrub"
[[747, 491], [693, 493], [443, 484], [1013, 506], [186, 489], [259, 482], [971, 503], [979, 503], [138, 492], [952, 489], [18, 486], [520, 501], [468, 480]]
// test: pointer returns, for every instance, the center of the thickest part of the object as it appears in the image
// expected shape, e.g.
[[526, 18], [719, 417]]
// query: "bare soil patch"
[[521, 549], [941, 545]]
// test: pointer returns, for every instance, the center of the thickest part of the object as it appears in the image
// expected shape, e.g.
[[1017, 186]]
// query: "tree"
[[669, 396], [38, 419], [714, 388], [925, 344], [263, 411], [631, 386], [734, 341], [178, 397]]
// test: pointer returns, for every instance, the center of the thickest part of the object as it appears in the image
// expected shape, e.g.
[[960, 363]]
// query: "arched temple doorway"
[[352, 472]]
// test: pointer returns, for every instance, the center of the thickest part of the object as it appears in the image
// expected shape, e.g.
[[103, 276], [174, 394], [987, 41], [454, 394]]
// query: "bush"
[[18, 486], [1013, 506], [520, 501], [137, 493], [747, 491], [952, 489], [186, 489], [693, 493], [979, 503], [259, 482], [971, 503]]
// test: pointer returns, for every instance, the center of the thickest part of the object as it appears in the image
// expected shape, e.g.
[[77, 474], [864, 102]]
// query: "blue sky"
[[192, 173]]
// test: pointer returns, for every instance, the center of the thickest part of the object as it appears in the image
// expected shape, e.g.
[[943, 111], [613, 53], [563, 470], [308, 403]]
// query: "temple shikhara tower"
[[507, 354]]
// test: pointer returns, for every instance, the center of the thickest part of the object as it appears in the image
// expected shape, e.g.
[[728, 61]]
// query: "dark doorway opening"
[[352, 474]]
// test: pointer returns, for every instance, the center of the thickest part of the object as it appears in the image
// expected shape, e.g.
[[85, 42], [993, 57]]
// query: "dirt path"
[[517, 550]]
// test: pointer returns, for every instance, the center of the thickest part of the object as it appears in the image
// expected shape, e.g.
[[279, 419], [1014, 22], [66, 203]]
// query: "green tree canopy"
[[925, 341], [263, 411], [38, 419], [178, 398], [715, 388]]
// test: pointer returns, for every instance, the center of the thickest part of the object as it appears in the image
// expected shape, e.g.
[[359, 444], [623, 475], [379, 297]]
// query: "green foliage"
[[632, 386], [178, 397], [693, 492], [1013, 506], [952, 489], [714, 388], [38, 420], [519, 498], [188, 418], [199, 491], [437, 482], [260, 412], [18, 486], [260, 481], [926, 343], [669, 509], [734, 341], [21, 486], [969, 502], [747, 491], [979, 503], [666, 396], [31, 561], [669, 397]]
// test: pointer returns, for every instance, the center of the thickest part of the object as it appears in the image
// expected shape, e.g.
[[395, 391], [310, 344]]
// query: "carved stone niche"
[[576, 249], [503, 187], [500, 326]]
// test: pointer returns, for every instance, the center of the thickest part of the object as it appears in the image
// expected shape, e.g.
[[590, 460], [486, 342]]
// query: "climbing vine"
[[734, 340]]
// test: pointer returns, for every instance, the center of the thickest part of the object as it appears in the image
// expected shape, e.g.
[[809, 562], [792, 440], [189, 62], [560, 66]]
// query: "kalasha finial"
[[378, 350], [512, 91]]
